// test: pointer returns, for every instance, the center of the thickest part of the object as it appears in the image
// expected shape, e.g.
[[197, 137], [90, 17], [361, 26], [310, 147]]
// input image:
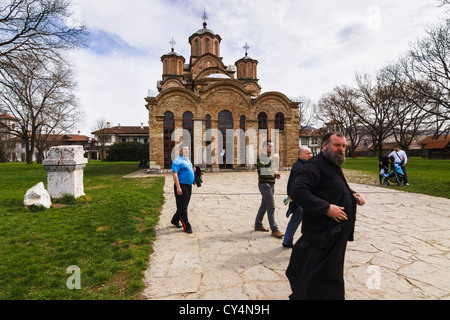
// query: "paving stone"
[[405, 236]]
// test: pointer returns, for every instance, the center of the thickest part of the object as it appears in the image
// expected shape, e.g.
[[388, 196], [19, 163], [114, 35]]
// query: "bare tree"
[[305, 111], [427, 68], [39, 93], [376, 99], [341, 105], [59, 117], [408, 107], [38, 27], [103, 135]]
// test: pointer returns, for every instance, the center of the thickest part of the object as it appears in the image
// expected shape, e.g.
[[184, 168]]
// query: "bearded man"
[[316, 266]]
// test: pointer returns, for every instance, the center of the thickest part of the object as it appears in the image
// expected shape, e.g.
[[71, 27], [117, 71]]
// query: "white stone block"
[[65, 171], [37, 196]]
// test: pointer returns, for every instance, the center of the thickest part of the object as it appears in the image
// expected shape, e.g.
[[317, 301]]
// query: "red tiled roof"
[[124, 130], [429, 138], [437, 144], [311, 133], [71, 137], [7, 117]]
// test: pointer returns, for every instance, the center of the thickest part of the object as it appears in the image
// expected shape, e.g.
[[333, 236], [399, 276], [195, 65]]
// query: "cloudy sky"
[[304, 47]]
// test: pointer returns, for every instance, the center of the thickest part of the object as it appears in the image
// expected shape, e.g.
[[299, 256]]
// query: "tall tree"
[[341, 105], [39, 94], [427, 68], [408, 107], [376, 99]]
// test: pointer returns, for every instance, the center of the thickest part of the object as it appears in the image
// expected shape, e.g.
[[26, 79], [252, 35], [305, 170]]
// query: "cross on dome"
[[173, 43], [204, 17], [246, 47]]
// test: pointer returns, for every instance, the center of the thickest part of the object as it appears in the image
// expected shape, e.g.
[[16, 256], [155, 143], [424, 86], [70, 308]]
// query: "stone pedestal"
[[65, 167], [154, 169]]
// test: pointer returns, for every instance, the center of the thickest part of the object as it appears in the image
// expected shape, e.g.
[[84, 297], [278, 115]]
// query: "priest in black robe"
[[316, 266]]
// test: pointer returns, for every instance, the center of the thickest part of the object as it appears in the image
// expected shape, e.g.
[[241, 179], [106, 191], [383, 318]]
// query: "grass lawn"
[[431, 177], [108, 234]]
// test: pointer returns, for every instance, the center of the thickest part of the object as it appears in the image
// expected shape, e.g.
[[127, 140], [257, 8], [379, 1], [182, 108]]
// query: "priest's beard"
[[336, 158]]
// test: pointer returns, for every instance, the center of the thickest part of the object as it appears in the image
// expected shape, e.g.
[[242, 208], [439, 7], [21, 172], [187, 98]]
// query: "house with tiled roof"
[[121, 133], [437, 148], [14, 147], [312, 138]]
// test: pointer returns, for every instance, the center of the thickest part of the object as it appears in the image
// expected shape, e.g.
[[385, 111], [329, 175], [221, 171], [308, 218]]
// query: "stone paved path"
[[401, 248]]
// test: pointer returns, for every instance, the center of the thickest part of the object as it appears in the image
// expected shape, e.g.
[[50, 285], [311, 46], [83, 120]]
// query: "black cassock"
[[316, 265]]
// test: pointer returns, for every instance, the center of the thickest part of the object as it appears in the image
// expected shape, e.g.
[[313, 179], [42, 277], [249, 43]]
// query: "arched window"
[[188, 135], [208, 122], [242, 123], [196, 48], [225, 121], [207, 45], [216, 49], [242, 154], [208, 140], [279, 121], [172, 66], [262, 121], [169, 127]]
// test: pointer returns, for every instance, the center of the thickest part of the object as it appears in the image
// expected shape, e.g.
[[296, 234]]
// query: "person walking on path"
[[266, 184], [400, 158], [183, 177], [316, 265], [304, 154]]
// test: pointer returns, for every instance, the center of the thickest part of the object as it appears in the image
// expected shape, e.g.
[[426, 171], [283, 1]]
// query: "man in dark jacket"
[[316, 266], [304, 154]]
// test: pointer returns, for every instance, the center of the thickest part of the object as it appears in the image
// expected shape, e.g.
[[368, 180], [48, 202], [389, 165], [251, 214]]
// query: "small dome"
[[218, 76], [173, 53]]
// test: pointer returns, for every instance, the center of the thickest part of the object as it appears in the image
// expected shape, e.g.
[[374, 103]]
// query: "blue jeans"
[[292, 226], [405, 178]]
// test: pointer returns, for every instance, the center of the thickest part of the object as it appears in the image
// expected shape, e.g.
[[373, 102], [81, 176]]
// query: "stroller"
[[394, 175]]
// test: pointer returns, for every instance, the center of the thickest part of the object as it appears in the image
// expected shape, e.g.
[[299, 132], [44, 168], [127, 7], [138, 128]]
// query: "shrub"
[[128, 151]]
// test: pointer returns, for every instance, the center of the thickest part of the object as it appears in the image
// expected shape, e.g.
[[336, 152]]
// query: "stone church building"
[[218, 110]]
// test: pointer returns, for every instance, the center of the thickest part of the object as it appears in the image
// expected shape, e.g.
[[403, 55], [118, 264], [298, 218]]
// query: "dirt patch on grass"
[[361, 177]]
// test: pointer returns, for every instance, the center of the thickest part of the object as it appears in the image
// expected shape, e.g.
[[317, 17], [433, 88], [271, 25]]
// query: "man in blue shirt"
[[183, 177]]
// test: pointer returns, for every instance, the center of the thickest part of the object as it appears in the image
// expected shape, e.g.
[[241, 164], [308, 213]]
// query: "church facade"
[[218, 110]]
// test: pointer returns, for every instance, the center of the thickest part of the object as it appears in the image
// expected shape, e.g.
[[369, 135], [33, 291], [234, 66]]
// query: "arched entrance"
[[188, 137], [169, 127], [225, 121]]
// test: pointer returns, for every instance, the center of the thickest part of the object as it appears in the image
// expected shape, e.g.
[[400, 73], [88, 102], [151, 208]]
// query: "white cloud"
[[303, 47]]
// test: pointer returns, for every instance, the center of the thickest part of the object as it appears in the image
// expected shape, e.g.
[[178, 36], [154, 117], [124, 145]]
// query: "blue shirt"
[[185, 170]]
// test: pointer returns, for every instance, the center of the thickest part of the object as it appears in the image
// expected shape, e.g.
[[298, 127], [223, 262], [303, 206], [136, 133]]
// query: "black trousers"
[[182, 205]]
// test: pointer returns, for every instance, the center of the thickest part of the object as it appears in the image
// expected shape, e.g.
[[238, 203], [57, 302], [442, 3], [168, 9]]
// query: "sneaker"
[[407, 184], [277, 234], [188, 230], [176, 224], [261, 229]]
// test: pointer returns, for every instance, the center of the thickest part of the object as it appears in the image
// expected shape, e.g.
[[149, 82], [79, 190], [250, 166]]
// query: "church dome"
[[218, 76], [205, 30]]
